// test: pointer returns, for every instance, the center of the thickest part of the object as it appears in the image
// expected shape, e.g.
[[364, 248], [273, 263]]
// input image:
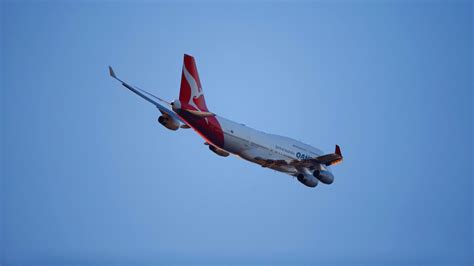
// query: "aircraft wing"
[[327, 159], [162, 105]]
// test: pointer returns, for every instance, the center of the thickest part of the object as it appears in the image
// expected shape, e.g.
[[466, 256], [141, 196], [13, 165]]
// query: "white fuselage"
[[260, 147]]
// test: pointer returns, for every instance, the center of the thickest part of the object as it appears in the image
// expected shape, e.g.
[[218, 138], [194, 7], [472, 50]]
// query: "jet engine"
[[176, 105], [168, 122], [218, 151], [324, 176], [307, 180]]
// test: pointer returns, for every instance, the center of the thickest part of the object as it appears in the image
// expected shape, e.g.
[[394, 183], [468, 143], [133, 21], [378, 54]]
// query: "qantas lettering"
[[300, 155]]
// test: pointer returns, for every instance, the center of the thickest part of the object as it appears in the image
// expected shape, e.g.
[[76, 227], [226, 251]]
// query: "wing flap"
[[270, 163]]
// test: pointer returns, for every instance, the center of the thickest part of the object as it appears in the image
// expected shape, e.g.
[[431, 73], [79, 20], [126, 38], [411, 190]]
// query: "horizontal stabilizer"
[[199, 113]]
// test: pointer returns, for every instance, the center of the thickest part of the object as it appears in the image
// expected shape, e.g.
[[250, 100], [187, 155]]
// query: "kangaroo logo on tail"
[[191, 90]]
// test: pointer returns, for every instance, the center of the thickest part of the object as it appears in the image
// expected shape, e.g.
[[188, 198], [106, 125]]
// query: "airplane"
[[224, 137]]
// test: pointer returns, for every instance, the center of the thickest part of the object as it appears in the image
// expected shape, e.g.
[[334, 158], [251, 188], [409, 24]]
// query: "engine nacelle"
[[176, 105], [324, 176], [218, 151], [307, 180], [168, 122]]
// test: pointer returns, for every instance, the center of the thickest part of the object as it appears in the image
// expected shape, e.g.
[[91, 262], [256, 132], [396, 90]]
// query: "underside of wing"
[[271, 163]]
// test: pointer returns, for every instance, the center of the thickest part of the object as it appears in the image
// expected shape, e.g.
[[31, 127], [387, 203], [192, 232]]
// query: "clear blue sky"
[[89, 177]]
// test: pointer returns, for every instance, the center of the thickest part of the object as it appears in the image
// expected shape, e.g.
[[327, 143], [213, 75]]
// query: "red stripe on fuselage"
[[208, 127]]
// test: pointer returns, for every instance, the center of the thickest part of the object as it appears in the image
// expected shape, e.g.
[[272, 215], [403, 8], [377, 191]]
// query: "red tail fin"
[[191, 94]]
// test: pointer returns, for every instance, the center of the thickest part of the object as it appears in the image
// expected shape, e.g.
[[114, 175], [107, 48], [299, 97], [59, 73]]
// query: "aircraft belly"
[[257, 147], [265, 158]]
